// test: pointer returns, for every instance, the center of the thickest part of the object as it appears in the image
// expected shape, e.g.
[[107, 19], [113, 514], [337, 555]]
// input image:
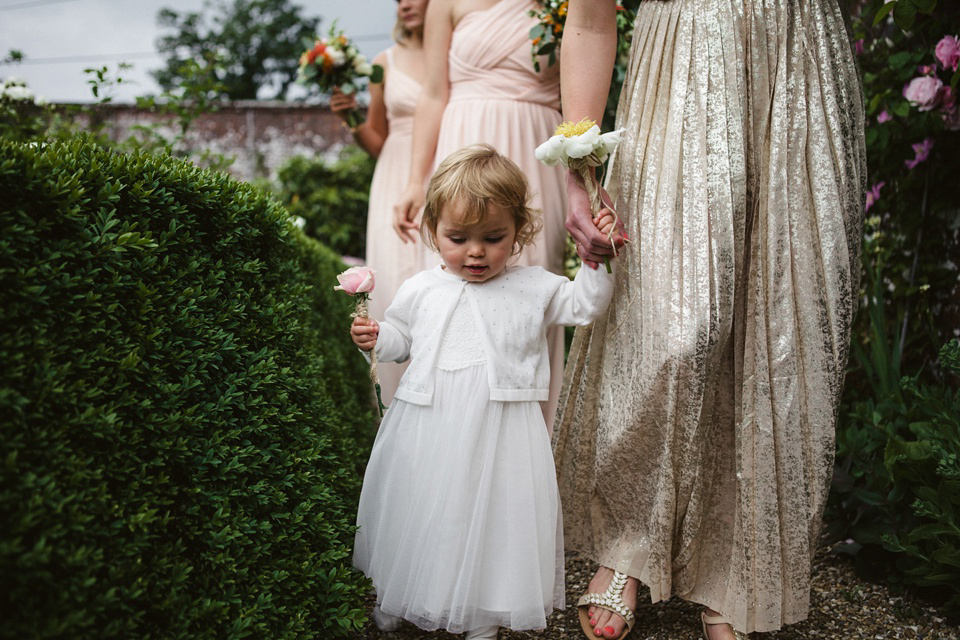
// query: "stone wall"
[[259, 135]]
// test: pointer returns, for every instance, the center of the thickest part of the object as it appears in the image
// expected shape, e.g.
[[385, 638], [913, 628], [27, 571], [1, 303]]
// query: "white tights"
[[482, 633]]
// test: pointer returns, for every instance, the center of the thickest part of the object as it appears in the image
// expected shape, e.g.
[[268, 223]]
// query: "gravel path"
[[844, 607]]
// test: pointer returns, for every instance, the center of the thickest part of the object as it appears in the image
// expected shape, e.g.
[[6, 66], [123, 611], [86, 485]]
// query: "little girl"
[[459, 517]]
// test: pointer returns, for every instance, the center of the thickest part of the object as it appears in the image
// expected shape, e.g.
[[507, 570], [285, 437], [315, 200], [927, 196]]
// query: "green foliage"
[[249, 45], [894, 491], [928, 465], [179, 427], [22, 117], [331, 198]]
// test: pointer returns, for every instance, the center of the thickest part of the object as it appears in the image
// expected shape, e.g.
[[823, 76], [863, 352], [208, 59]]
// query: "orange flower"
[[312, 55]]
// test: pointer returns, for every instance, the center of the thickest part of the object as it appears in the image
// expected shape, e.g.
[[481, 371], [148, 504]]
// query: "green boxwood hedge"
[[182, 415]]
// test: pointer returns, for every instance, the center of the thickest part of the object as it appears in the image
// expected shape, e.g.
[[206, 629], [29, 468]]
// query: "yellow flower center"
[[573, 129]]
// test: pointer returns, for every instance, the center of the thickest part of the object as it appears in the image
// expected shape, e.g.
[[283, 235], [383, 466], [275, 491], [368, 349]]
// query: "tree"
[[250, 47]]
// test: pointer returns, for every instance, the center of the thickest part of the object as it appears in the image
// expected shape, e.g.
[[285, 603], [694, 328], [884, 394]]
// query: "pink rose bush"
[[927, 91], [355, 280]]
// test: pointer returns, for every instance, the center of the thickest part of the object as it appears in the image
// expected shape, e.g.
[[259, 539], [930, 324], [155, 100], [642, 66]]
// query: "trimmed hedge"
[[181, 420]]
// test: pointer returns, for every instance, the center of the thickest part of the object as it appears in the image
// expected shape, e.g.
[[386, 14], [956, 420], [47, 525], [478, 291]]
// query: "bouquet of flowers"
[[334, 62], [547, 33], [358, 282], [580, 147]]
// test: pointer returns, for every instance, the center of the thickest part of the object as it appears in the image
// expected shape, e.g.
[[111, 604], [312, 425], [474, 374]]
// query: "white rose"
[[364, 69], [337, 57]]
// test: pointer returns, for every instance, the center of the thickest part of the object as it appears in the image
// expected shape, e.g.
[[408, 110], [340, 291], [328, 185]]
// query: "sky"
[[61, 38]]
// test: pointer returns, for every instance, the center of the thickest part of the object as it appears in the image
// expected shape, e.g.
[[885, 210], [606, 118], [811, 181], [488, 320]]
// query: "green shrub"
[[331, 198], [896, 493], [179, 436]]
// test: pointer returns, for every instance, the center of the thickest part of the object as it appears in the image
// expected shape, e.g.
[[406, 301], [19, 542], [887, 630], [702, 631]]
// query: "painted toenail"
[[609, 630]]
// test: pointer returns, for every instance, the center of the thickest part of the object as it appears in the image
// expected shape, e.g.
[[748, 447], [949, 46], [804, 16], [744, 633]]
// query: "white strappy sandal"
[[708, 620], [611, 600]]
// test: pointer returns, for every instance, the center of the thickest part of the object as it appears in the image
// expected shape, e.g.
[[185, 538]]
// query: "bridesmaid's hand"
[[342, 103], [405, 214], [593, 245]]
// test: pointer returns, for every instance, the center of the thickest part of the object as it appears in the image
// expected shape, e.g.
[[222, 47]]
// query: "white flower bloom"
[[364, 69], [590, 146], [18, 93], [337, 57], [15, 81]]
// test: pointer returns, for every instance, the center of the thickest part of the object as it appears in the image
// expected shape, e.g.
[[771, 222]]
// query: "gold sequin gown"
[[695, 440]]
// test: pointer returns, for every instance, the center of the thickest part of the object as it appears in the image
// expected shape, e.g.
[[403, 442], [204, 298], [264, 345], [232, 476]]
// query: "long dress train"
[[695, 443]]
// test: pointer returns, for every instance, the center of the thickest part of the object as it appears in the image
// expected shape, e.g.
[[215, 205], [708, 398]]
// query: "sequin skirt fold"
[[695, 441]]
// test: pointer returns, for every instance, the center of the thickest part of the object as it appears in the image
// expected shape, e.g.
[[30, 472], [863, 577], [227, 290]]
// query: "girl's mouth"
[[476, 269]]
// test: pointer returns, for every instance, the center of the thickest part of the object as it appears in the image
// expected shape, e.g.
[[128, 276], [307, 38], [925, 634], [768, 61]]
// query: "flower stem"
[[362, 312]]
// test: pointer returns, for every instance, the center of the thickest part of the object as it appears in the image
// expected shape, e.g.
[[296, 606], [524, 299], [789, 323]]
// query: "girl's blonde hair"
[[471, 179]]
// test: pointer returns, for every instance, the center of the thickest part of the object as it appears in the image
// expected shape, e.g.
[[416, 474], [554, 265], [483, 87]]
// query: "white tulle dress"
[[459, 518]]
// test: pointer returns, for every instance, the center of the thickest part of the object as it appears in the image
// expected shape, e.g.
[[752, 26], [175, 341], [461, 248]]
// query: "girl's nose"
[[475, 249]]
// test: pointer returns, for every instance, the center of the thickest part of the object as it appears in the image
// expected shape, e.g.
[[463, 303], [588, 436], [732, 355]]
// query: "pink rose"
[[884, 116], [948, 52], [926, 69], [873, 195], [923, 92], [355, 280], [921, 152]]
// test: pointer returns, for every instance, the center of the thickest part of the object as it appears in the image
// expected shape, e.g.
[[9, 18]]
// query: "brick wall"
[[259, 135]]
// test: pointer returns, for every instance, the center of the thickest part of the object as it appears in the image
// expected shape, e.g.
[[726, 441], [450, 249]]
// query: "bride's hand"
[[406, 212], [592, 244]]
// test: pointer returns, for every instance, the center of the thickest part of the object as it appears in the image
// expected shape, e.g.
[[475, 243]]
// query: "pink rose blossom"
[[923, 92], [884, 116], [355, 280], [873, 195], [921, 152], [927, 69], [948, 52]]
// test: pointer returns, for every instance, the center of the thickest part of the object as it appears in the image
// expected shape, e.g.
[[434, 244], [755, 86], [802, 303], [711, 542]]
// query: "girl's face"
[[411, 14], [476, 252]]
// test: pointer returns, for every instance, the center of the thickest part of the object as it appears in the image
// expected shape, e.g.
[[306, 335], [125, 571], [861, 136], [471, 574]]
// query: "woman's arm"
[[371, 134], [437, 33], [587, 56]]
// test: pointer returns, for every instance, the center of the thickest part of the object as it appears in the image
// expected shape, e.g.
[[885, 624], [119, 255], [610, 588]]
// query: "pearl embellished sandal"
[[611, 600], [707, 620]]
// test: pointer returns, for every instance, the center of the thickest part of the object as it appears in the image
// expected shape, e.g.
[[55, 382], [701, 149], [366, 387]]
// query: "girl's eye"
[[495, 239], [457, 240]]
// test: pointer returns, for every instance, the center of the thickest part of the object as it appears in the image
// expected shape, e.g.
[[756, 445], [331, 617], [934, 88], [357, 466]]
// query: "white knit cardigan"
[[512, 313]]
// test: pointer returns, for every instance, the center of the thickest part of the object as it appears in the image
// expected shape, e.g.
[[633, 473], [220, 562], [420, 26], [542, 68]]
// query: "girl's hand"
[[342, 103], [364, 332], [405, 214], [591, 241]]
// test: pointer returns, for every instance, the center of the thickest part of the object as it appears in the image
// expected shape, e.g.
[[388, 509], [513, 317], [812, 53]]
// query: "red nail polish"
[[608, 629]]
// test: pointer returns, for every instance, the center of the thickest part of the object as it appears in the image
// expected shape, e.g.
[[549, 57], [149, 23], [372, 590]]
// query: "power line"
[[31, 3]]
